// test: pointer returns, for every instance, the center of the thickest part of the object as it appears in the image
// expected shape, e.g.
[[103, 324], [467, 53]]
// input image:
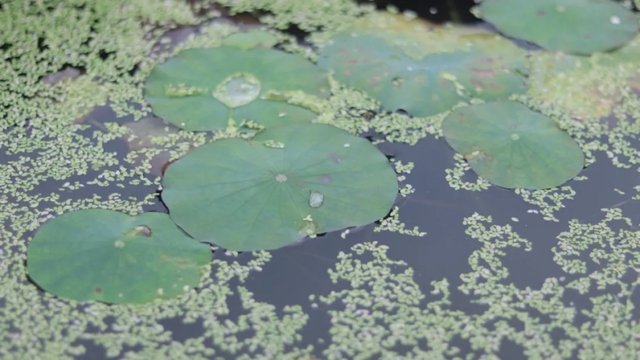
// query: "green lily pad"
[[111, 257], [201, 89], [512, 146], [421, 87], [575, 26], [418, 37], [251, 39], [286, 183]]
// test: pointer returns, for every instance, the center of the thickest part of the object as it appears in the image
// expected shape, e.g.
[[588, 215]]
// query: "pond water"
[[533, 281]]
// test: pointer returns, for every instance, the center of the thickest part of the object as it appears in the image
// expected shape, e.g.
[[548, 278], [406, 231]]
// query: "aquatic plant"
[[246, 40], [115, 258], [421, 87], [278, 187], [474, 287], [201, 89], [512, 146], [575, 26]]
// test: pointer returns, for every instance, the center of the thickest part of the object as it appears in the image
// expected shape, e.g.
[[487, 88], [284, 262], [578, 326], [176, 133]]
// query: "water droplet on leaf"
[[237, 90], [315, 199]]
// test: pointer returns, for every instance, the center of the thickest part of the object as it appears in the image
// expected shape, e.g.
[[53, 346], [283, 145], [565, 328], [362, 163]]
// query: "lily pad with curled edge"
[[251, 39], [111, 257], [284, 184], [421, 87], [575, 26], [512, 146], [201, 89]]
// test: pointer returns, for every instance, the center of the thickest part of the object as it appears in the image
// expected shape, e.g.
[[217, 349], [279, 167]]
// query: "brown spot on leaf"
[[98, 290], [542, 13], [347, 72], [325, 179], [165, 167], [489, 60], [143, 230], [353, 62], [335, 157], [178, 262], [476, 81], [484, 73]]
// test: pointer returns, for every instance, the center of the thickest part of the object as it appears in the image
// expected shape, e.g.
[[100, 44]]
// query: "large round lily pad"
[[512, 146], [421, 87], [576, 26], [284, 184], [201, 89], [111, 257]]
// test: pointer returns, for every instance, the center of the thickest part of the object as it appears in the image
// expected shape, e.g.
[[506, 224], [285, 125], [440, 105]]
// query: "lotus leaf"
[[512, 146], [418, 37], [201, 89], [422, 88], [251, 39], [249, 194], [575, 26], [111, 257]]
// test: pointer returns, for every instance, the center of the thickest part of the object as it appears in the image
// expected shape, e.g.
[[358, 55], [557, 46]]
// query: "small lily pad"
[[115, 258], [512, 146], [201, 89], [251, 39], [421, 87], [575, 26], [246, 195]]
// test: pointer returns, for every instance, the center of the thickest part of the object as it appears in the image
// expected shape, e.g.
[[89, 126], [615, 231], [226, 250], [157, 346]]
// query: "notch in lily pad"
[[248, 196], [575, 26], [111, 257], [201, 89], [421, 87], [512, 146]]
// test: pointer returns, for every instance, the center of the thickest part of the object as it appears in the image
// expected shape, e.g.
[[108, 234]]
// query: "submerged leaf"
[[201, 89], [422, 88], [512, 146], [251, 39], [248, 196], [575, 26], [111, 257], [418, 37]]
